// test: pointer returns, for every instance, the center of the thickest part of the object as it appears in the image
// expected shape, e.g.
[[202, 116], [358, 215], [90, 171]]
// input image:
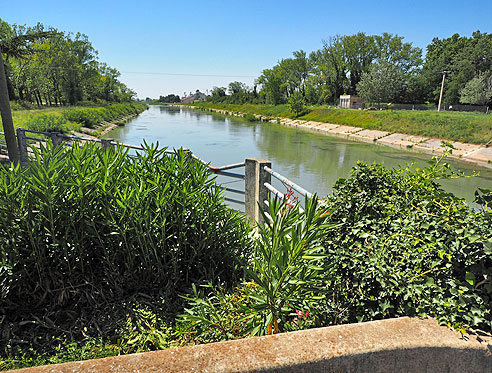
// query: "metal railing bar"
[[234, 200], [36, 139], [199, 159], [76, 137], [230, 174], [288, 182], [38, 132], [273, 190], [227, 167], [237, 191], [281, 196]]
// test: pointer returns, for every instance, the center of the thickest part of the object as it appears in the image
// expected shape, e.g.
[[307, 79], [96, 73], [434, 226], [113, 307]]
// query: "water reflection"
[[312, 160]]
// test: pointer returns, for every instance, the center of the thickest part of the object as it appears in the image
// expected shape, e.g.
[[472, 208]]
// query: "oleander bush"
[[83, 228]]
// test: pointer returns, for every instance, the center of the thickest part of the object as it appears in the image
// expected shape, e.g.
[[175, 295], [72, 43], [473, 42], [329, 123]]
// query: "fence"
[[420, 107], [257, 176]]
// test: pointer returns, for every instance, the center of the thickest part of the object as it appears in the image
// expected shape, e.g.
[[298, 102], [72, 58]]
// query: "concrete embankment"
[[394, 345], [477, 154]]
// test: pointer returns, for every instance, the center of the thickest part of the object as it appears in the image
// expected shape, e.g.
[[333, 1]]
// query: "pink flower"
[[301, 314]]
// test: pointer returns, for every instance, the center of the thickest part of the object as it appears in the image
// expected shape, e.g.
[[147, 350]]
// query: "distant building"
[[197, 96], [351, 102]]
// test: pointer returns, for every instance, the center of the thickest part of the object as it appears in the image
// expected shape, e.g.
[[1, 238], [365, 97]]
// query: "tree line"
[[379, 68], [45, 66]]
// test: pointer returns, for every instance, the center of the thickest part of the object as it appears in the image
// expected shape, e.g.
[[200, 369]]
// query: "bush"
[[407, 247], [250, 117], [50, 123], [82, 228]]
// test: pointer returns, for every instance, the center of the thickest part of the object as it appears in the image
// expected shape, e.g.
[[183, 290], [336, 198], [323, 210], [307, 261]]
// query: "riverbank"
[[95, 120], [479, 154]]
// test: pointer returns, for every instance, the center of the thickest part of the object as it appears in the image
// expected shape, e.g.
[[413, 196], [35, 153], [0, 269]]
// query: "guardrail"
[[257, 176]]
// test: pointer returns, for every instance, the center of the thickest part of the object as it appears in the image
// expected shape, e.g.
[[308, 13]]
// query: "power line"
[[182, 74]]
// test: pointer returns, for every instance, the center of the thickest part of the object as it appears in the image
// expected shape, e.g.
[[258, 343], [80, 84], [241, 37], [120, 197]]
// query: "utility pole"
[[7, 123], [444, 73]]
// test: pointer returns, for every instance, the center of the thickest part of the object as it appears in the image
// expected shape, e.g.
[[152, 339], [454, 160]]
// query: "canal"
[[312, 160]]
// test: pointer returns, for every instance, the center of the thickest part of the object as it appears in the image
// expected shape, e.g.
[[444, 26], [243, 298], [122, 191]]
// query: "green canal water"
[[311, 160]]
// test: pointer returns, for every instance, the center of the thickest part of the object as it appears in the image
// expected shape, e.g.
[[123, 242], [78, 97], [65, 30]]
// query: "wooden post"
[[22, 143], [256, 192]]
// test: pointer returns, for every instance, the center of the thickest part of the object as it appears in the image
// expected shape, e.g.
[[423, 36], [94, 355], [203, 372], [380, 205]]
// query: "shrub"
[[250, 117], [407, 247], [82, 228]]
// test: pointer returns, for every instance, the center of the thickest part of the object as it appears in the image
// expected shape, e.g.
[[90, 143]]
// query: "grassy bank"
[[67, 119], [475, 128]]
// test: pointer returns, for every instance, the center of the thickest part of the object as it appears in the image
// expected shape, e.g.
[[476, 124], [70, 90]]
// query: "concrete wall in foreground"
[[396, 345]]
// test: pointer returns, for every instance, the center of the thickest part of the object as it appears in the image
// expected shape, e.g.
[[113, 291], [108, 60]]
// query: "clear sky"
[[163, 47]]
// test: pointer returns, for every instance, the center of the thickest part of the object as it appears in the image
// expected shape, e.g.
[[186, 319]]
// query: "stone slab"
[[394, 345], [459, 149], [401, 140], [369, 135], [344, 130], [325, 127], [481, 155]]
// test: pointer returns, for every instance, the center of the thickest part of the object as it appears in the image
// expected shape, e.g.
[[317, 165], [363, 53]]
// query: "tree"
[[478, 91], [297, 103], [464, 57], [382, 83], [271, 81], [218, 92], [12, 45]]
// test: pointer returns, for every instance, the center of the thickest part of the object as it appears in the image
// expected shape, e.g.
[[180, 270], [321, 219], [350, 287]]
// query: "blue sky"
[[234, 40]]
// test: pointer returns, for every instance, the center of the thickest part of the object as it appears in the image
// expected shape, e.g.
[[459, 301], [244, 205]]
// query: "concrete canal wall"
[[395, 345]]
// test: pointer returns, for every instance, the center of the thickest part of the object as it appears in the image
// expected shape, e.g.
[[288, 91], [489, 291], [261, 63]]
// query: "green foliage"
[[286, 265], [464, 57], [169, 99], [407, 247], [297, 103], [46, 67], [91, 117], [250, 117], [83, 228], [286, 279], [50, 123], [383, 82], [478, 91], [386, 243], [215, 314]]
